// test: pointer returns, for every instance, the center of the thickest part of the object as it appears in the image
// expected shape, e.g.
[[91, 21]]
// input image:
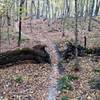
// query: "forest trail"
[[46, 38]]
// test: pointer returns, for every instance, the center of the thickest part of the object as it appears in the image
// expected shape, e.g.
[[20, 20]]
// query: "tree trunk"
[[0, 30], [86, 11], [20, 22], [26, 8], [8, 24], [97, 8], [38, 10], [76, 38], [90, 16]]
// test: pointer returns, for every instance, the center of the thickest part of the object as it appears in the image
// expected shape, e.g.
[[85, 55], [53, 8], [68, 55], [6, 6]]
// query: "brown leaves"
[[35, 81]]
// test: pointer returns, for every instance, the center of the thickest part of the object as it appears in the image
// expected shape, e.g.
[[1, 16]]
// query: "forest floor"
[[36, 78]]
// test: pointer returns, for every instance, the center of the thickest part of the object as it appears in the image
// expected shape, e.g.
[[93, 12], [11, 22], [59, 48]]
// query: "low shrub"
[[97, 69], [95, 83], [18, 79], [64, 84], [72, 77], [64, 98]]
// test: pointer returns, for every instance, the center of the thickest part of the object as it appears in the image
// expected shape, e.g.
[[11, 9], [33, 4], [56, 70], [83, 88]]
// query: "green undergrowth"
[[64, 98], [64, 83], [97, 69], [95, 83], [18, 79]]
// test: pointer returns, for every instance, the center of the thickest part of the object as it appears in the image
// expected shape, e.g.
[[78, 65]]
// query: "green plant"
[[50, 30], [88, 51], [97, 69], [64, 84], [95, 83], [18, 79], [72, 77], [64, 98]]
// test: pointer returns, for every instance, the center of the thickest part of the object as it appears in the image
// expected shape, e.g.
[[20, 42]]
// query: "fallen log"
[[69, 52], [37, 54]]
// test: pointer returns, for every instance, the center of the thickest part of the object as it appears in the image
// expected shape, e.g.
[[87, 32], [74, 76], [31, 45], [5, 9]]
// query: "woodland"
[[49, 49]]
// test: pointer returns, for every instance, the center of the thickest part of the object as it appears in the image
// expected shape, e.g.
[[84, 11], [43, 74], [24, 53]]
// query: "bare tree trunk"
[[52, 7], [31, 15], [86, 11], [20, 22], [90, 16], [85, 41], [97, 7], [33, 5], [38, 10], [43, 8], [8, 24], [76, 38], [48, 7], [0, 31], [26, 7], [17, 4], [63, 26]]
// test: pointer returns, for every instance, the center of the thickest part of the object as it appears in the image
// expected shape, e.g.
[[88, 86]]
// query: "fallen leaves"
[[35, 81]]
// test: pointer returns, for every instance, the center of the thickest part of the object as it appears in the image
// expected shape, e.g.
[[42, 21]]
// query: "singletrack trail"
[[40, 33]]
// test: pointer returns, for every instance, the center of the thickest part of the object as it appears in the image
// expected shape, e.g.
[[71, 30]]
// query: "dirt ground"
[[36, 77]]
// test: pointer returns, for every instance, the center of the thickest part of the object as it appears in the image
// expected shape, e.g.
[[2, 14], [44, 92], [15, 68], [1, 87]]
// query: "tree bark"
[[76, 38], [90, 16], [0, 31], [37, 54], [20, 22]]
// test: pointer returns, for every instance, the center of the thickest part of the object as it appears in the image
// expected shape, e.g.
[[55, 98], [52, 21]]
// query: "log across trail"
[[37, 54]]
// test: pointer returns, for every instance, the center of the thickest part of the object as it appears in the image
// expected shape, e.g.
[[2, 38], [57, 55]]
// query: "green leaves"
[[23, 10], [95, 83], [4, 5], [64, 98], [97, 70], [72, 77], [18, 79], [64, 83]]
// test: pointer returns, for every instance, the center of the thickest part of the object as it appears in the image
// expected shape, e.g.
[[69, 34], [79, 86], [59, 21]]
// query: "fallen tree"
[[69, 52], [37, 54]]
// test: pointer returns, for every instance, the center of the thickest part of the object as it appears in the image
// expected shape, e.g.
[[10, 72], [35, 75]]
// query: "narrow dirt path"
[[52, 90], [55, 58]]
